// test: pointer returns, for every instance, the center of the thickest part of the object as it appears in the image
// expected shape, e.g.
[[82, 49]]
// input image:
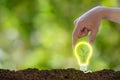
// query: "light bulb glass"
[[83, 53]]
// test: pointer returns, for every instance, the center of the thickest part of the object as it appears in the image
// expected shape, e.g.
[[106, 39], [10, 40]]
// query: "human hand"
[[88, 22]]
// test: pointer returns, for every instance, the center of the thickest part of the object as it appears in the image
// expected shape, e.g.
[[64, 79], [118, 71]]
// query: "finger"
[[83, 33], [76, 32], [92, 36], [75, 21], [74, 37], [74, 40], [79, 36]]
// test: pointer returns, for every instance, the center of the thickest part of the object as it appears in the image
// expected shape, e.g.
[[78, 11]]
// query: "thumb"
[[92, 36]]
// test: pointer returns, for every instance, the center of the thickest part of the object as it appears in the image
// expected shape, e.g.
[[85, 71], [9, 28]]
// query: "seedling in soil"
[[83, 53]]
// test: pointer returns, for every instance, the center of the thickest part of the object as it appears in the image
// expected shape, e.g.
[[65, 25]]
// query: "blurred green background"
[[38, 34]]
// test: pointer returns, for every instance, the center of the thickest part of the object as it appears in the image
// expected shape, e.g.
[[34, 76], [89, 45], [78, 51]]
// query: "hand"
[[88, 22]]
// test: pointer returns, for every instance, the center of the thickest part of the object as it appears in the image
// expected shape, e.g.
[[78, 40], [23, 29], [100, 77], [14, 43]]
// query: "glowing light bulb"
[[83, 53]]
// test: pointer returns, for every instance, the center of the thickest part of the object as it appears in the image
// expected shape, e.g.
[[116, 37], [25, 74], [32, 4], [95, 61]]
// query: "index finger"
[[92, 36], [74, 40], [76, 32]]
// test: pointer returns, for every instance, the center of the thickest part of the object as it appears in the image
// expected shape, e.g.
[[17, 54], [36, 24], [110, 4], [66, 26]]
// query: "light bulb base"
[[83, 68]]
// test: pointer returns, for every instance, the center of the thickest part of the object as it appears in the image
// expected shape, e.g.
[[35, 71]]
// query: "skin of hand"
[[88, 22]]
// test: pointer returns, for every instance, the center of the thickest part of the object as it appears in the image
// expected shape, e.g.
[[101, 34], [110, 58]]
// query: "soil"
[[58, 74]]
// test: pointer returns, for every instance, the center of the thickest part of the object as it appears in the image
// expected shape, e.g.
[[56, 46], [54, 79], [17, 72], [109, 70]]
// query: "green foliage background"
[[38, 34]]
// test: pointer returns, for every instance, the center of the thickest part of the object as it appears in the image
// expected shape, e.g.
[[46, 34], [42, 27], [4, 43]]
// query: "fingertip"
[[74, 39], [73, 46], [91, 42], [92, 37]]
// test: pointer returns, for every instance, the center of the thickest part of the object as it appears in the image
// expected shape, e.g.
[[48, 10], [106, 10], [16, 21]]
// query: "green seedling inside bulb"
[[83, 53]]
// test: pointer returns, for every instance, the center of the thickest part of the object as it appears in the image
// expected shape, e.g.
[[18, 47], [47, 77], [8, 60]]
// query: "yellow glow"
[[89, 53]]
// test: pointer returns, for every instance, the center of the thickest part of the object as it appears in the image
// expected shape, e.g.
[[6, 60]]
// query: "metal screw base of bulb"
[[84, 69]]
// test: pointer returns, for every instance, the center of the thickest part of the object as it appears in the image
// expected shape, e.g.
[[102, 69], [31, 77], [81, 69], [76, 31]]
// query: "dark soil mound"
[[58, 74]]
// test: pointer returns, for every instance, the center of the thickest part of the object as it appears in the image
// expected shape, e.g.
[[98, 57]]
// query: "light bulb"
[[83, 53]]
